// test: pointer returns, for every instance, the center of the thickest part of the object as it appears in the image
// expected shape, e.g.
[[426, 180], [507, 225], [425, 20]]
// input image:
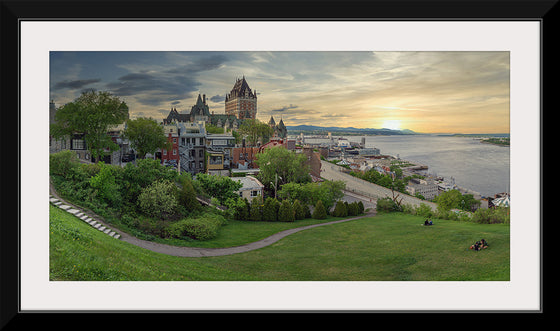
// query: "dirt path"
[[201, 252]]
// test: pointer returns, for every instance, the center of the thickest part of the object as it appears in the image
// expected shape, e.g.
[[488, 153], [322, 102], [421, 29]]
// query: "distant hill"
[[348, 130]]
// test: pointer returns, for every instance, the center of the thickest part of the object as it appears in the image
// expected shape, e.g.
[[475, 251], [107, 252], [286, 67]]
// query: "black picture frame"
[[14, 12]]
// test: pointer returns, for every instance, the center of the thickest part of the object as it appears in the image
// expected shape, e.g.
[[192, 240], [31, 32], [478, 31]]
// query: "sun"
[[392, 124]]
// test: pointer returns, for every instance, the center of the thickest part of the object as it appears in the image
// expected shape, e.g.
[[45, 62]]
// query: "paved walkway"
[[177, 250]]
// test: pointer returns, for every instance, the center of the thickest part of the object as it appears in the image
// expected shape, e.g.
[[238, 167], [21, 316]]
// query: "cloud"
[[74, 84], [285, 108], [334, 115], [218, 98], [157, 87]]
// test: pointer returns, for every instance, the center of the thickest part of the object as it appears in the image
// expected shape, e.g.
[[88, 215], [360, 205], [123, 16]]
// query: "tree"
[[145, 136], [286, 212], [320, 212], [256, 210], [105, 184], [159, 199], [255, 130], [340, 209], [90, 115], [279, 165], [309, 193], [187, 195], [219, 187], [298, 210], [270, 209]]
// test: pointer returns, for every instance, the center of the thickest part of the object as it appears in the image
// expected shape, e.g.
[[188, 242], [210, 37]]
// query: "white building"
[[427, 189], [251, 188]]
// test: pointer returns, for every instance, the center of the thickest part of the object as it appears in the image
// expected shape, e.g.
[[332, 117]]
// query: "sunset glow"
[[428, 92]]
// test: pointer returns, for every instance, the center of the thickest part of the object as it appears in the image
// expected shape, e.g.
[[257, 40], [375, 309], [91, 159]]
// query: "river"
[[480, 167]]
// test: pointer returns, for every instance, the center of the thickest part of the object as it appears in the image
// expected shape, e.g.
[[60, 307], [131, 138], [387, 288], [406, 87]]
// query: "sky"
[[427, 92]]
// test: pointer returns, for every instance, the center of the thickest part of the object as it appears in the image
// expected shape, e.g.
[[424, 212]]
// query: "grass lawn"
[[390, 247]]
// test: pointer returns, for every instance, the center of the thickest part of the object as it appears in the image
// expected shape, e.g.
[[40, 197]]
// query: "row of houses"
[[193, 150]]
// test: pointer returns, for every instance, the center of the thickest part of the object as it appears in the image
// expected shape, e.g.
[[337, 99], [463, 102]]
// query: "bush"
[[202, 228], [286, 212], [353, 209], [361, 208], [387, 205], [256, 211], [491, 216], [299, 210], [340, 209], [105, 184], [187, 196], [424, 210], [270, 210], [159, 199], [320, 212], [241, 209], [60, 163]]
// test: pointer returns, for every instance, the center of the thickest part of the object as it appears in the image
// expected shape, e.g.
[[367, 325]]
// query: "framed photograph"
[[456, 92]]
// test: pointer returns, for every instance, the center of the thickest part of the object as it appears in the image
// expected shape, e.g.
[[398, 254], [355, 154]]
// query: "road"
[[365, 189]]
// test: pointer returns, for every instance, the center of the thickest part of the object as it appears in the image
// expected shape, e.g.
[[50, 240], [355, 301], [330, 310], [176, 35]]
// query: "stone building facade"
[[241, 101]]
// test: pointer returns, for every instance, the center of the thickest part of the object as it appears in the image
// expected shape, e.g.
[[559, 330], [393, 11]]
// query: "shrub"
[[491, 215], [270, 210], [256, 211], [202, 228], [60, 163], [159, 199], [361, 208], [299, 210], [241, 209], [320, 212], [340, 209], [424, 210], [187, 196], [387, 205], [105, 184], [353, 209], [286, 212]]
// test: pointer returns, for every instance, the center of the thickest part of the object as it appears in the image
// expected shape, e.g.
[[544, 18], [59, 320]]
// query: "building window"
[[78, 144], [165, 152], [174, 152], [174, 140], [254, 193], [201, 153]]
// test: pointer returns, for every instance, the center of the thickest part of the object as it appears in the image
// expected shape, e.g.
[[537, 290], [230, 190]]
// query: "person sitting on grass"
[[428, 222], [479, 245]]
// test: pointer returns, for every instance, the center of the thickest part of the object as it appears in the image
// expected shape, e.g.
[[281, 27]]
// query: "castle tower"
[[241, 101]]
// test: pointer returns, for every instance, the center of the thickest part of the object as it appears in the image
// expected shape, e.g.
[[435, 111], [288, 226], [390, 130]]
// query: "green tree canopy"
[[91, 114], [219, 187], [289, 166], [255, 130], [328, 192], [145, 136], [454, 199]]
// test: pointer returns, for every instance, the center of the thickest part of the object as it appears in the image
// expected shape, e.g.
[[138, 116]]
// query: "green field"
[[388, 247]]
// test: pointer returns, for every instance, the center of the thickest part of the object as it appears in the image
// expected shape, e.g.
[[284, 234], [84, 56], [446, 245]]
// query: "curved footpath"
[[96, 221]]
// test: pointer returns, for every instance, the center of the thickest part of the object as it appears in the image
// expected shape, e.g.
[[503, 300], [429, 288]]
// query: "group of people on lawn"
[[477, 246]]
